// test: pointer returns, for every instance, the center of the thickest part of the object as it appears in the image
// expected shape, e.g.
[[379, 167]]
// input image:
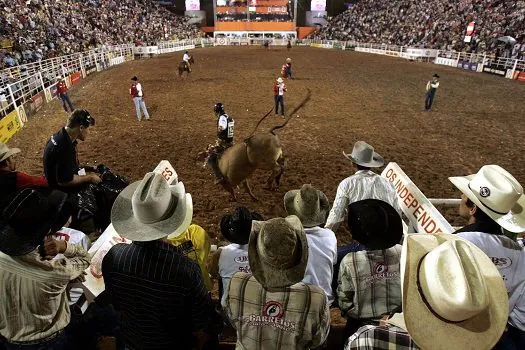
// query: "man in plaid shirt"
[[369, 281], [273, 309], [380, 337]]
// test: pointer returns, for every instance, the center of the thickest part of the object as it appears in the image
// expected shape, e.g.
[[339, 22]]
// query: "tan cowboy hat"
[[59, 77], [363, 154], [278, 252], [311, 206], [151, 209], [6, 152], [288, 60], [497, 193], [280, 80], [452, 291]]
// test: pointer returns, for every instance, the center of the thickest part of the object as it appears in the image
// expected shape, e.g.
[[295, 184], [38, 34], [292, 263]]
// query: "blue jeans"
[[512, 339], [139, 104], [429, 99], [65, 99], [279, 101], [58, 343]]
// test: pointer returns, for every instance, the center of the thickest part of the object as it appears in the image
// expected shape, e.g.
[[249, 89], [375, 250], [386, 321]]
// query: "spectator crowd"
[[432, 24], [278, 277], [39, 29]]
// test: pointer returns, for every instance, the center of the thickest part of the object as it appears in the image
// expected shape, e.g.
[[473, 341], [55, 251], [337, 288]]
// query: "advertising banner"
[[9, 125], [318, 5], [496, 70], [75, 78], [193, 5], [421, 213]]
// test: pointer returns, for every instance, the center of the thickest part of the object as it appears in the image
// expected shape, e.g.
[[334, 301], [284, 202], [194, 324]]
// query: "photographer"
[[60, 155]]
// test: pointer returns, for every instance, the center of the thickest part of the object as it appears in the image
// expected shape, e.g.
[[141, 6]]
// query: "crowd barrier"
[[24, 89]]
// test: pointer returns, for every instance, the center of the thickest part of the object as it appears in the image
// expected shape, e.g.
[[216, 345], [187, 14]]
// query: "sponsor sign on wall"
[[318, 5], [75, 78], [9, 125], [496, 70], [193, 5], [421, 213]]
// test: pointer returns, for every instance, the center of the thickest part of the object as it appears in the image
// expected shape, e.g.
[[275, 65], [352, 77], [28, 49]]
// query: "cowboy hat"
[[363, 154], [6, 152], [278, 252], [375, 224], [311, 206], [29, 217], [151, 209], [59, 77], [453, 291], [236, 228], [497, 193], [280, 80]]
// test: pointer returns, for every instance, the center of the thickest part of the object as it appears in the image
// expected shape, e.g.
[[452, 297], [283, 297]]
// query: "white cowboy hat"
[[363, 154], [452, 291], [310, 205], [497, 193], [6, 152], [288, 60], [280, 80], [278, 252], [58, 77], [151, 209]]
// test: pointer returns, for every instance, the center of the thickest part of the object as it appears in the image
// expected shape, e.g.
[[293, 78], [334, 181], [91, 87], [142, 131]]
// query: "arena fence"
[[25, 88]]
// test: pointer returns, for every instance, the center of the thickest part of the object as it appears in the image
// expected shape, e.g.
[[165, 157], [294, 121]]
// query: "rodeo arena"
[[262, 174]]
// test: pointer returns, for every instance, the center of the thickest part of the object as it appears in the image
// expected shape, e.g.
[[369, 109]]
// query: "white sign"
[[421, 213], [193, 5], [318, 5]]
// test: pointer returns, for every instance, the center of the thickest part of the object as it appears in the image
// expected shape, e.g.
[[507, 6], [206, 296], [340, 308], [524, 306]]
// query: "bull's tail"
[[259, 123], [296, 109]]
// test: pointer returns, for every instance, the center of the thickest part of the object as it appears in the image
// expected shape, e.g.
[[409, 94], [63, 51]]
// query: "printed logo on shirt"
[[241, 259], [380, 273], [272, 316], [501, 263]]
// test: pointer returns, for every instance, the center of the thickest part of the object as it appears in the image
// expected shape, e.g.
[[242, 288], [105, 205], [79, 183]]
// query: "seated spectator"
[[453, 298], [195, 244], [311, 206], [159, 292], [11, 180], [33, 296], [492, 200], [233, 258], [369, 285], [273, 309]]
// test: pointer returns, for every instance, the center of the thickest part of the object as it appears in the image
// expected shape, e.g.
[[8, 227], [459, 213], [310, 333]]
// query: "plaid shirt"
[[369, 283], [380, 337], [295, 317]]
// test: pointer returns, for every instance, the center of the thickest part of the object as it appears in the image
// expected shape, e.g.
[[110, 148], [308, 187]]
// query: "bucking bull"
[[185, 67], [258, 151]]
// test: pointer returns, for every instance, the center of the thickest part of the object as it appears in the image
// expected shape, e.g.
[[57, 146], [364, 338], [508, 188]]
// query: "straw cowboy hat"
[[452, 291], [311, 206], [280, 80], [6, 152], [497, 193], [363, 154], [29, 217], [278, 252], [375, 224], [151, 209], [288, 60], [236, 228]]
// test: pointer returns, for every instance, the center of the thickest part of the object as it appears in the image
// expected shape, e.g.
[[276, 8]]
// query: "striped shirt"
[[364, 184], [33, 296], [160, 294], [369, 283], [295, 317], [380, 338]]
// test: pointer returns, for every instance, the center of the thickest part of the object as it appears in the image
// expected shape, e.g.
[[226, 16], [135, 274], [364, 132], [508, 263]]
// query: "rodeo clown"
[[286, 69], [225, 126]]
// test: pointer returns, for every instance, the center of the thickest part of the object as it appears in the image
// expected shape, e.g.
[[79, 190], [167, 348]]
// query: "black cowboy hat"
[[236, 228], [29, 217], [375, 224]]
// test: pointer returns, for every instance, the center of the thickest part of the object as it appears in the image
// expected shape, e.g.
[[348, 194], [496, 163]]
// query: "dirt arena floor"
[[477, 119]]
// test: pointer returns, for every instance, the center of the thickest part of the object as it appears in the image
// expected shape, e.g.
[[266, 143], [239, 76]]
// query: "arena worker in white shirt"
[[492, 200], [311, 206], [233, 257], [186, 58]]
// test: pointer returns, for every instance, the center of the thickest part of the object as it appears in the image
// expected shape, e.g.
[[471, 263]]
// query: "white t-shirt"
[[223, 122], [322, 256], [509, 258], [139, 89], [186, 57], [73, 237], [233, 259]]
